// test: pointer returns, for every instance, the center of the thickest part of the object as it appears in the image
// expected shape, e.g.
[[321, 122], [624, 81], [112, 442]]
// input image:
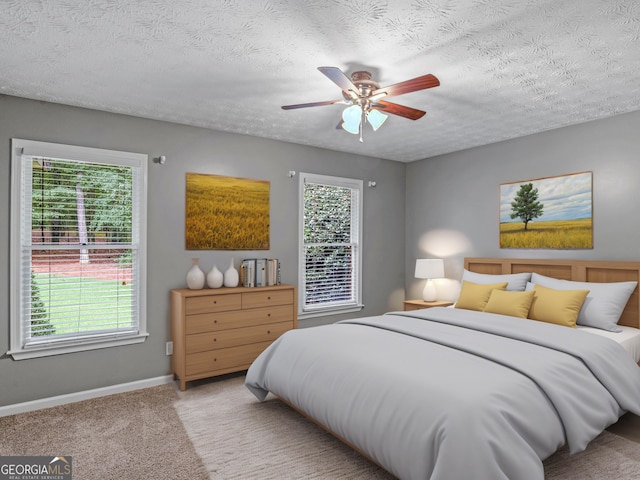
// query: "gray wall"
[[450, 203], [452, 200], [190, 149]]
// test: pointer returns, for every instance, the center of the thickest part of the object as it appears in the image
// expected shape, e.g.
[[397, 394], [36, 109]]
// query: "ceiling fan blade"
[[338, 77], [408, 86], [312, 104], [401, 110]]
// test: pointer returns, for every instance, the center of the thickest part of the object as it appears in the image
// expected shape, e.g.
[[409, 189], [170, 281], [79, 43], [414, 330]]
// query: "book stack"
[[260, 272]]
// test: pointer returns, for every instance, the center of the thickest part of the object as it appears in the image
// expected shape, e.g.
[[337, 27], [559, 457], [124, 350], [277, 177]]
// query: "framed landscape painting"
[[552, 212], [226, 213]]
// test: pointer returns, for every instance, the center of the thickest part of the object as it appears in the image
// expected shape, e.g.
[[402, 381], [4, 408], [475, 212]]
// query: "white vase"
[[215, 279], [195, 276], [231, 276]]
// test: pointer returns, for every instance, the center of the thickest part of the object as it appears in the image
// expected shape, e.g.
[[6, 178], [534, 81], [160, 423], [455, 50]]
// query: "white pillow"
[[516, 281], [604, 303]]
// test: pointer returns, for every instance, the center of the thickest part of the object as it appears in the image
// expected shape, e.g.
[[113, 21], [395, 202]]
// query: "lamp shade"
[[376, 119], [429, 268], [352, 117]]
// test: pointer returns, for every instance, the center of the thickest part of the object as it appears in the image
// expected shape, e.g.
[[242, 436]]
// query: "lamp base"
[[429, 294]]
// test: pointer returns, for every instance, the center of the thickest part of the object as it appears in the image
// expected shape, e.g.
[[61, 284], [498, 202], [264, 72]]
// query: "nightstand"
[[420, 304]]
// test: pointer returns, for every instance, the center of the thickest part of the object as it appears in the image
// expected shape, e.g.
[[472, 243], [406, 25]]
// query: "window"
[[330, 238], [78, 243]]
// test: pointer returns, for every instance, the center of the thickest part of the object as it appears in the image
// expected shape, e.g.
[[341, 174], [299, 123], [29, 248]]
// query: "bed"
[[459, 393]]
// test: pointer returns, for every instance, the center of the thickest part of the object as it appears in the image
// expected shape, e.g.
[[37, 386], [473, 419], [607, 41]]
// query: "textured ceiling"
[[507, 68]]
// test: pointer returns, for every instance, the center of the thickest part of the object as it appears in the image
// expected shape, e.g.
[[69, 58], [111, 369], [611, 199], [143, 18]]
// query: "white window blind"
[[78, 252], [330, 253]]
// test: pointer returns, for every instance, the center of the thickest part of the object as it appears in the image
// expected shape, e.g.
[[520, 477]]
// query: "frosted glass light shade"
[[352, 116], [376, 119]]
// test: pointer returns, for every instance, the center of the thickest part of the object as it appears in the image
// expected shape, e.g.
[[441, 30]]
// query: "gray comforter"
[[452, 394]]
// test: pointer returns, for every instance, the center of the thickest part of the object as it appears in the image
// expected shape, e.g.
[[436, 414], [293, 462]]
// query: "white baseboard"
[[84, 395]]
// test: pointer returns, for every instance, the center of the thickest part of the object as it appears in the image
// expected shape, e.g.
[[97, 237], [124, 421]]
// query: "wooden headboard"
[[575, 270]]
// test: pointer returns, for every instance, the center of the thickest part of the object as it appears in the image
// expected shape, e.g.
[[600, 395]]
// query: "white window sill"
[[322, 312], [49, 350]]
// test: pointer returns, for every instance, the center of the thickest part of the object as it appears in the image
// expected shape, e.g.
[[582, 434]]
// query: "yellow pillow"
[[557, 306], [515, 304], [474, 296]]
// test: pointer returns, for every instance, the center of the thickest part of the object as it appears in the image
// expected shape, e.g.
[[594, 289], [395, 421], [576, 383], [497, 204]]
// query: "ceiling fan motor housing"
[[362, 80]]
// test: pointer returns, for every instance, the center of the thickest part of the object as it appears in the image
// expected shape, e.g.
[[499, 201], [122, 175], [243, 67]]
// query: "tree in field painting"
[[554, 212], [526, 206]]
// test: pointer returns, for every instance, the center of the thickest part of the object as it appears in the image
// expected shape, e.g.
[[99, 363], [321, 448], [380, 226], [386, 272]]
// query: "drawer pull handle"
[[268, 331], [268, 314], [215, 321], [268, 298], [215, 301], [215, 339]]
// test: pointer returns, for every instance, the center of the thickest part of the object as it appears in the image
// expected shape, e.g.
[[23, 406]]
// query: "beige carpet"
[[129, 436], [239, 438], [218, 430]]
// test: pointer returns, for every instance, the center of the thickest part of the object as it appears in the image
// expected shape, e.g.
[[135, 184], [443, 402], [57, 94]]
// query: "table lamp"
[[429, 268]]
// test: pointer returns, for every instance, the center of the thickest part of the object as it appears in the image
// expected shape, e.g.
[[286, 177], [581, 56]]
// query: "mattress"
[[629, 338]]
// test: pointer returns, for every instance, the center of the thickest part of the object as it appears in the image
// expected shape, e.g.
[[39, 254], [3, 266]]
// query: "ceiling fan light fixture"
[[352, 116], [376, 119], [364, 97]]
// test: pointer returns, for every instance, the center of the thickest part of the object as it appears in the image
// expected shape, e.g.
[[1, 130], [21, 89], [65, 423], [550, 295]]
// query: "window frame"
[[20, 148], [356, 219]]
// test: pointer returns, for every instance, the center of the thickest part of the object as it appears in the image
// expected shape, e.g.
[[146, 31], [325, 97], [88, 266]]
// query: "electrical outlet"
[[169, 348]]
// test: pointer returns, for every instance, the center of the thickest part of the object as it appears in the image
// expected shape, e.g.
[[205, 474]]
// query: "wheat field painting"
[[226, 213], [553, 212]]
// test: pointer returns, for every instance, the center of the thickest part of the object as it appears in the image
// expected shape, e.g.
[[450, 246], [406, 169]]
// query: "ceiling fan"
[[365, 99]]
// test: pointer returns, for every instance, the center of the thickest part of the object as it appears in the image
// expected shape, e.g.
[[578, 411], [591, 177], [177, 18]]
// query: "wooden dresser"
[[218, 331]]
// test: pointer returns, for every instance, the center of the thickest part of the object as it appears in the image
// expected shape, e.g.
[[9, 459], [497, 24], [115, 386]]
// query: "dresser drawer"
[[202, 342], [213, 303], [266, 298], [235, 357], [213, 322]]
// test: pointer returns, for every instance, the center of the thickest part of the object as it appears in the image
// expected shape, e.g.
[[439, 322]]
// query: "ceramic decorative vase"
[[195, 276], [215, 279], [231, 276]]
